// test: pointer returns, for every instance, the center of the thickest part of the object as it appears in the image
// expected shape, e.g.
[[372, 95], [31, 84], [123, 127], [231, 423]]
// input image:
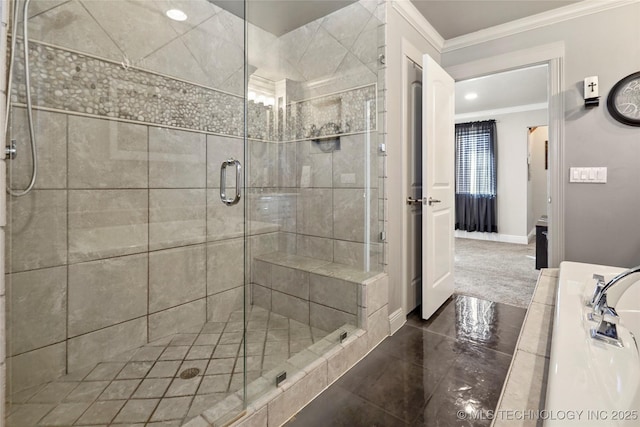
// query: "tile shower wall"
[[320, 193], [124, 239], [128, 176]]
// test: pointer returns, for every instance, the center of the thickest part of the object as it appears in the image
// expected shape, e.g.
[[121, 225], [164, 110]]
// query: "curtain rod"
[[479, 121]]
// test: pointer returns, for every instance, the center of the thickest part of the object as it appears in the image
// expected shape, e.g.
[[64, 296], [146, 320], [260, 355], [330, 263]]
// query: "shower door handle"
[[230, 201]]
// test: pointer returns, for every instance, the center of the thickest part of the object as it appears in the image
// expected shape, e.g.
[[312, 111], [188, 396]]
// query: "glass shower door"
[[314, 192], [125, 264]]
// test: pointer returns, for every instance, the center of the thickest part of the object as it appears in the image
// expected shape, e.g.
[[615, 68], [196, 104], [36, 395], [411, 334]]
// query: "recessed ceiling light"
[[177, 15], [471, 96]]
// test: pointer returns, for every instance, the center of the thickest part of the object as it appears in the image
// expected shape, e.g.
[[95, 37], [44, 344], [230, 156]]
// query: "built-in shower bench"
[[317, 292], [330, 296]]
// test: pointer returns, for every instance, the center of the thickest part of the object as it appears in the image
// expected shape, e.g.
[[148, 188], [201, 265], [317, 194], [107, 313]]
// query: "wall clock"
[[624, 100]]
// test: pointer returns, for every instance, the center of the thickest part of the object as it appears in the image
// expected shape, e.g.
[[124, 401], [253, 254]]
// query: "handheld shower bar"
[[10, 150]]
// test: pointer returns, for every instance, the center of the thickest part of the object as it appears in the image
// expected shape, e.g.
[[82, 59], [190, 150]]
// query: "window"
[[475, 159], [476, 181]]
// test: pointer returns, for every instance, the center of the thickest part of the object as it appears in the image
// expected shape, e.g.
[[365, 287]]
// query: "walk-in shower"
[[208, 207]]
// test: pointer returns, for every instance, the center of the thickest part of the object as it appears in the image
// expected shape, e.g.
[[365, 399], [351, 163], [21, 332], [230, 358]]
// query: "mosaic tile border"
[[64, 80], [75, 82]]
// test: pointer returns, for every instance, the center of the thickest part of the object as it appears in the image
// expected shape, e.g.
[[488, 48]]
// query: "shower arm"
[[27, 79]]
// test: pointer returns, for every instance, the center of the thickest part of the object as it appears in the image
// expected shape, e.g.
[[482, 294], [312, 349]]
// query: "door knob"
[[431, 201], [412, 201]]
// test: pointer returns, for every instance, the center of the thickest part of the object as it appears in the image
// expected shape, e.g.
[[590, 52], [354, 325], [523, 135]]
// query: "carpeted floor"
[[500, 272]]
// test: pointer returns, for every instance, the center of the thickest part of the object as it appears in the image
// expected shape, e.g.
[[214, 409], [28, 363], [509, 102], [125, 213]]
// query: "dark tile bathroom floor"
[[427, 371]]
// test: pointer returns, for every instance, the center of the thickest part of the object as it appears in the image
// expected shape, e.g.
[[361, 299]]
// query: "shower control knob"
[[10, 151]]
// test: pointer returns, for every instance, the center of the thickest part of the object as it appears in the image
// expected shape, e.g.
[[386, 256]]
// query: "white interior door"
[[438, 203]]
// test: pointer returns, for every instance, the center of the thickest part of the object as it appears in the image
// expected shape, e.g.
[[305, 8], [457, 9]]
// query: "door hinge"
[[383, 236]]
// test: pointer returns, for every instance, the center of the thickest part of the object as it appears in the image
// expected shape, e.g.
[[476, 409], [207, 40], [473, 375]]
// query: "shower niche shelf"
[[327, 137]]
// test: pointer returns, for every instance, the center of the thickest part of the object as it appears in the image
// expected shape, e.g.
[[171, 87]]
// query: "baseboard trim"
[[396, 320], [493, 237], [532, 235]]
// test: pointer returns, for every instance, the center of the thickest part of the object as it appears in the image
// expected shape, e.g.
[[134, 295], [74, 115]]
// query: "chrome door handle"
[[223, 182], [431, 201], [412, 201]]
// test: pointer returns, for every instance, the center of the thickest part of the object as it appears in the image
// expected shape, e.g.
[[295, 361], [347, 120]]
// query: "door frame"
[[553, 55]]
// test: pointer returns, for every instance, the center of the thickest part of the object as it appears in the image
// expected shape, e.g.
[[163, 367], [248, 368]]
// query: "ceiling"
[[526, 86], [281, 16], [455, 18], [451, 18]]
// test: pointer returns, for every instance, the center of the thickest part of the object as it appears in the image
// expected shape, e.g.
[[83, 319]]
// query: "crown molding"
[[507, 61], [262, 85], [502, 111], [412, 15], [554, 16]]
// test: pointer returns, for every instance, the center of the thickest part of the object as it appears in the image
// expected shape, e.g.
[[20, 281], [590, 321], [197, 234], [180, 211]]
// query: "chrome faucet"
[[596, 292], [607, 330], [622, 282]]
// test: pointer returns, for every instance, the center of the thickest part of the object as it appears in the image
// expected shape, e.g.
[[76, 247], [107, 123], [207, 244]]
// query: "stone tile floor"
[[143, 386], [427, 371]]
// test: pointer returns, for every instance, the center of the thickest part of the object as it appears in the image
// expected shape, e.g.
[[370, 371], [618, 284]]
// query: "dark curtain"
[[476, 177]]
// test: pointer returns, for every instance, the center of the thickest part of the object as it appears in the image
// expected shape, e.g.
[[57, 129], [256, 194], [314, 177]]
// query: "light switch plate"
[[593, 175]]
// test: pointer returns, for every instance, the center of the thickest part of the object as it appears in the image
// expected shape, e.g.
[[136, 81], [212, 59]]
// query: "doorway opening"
[[501, 265]]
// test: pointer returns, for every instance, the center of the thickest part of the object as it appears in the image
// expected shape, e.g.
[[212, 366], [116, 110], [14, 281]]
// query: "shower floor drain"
[[189, 373]]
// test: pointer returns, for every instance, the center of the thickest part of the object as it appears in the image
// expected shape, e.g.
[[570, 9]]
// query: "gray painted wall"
[[601, 221]]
